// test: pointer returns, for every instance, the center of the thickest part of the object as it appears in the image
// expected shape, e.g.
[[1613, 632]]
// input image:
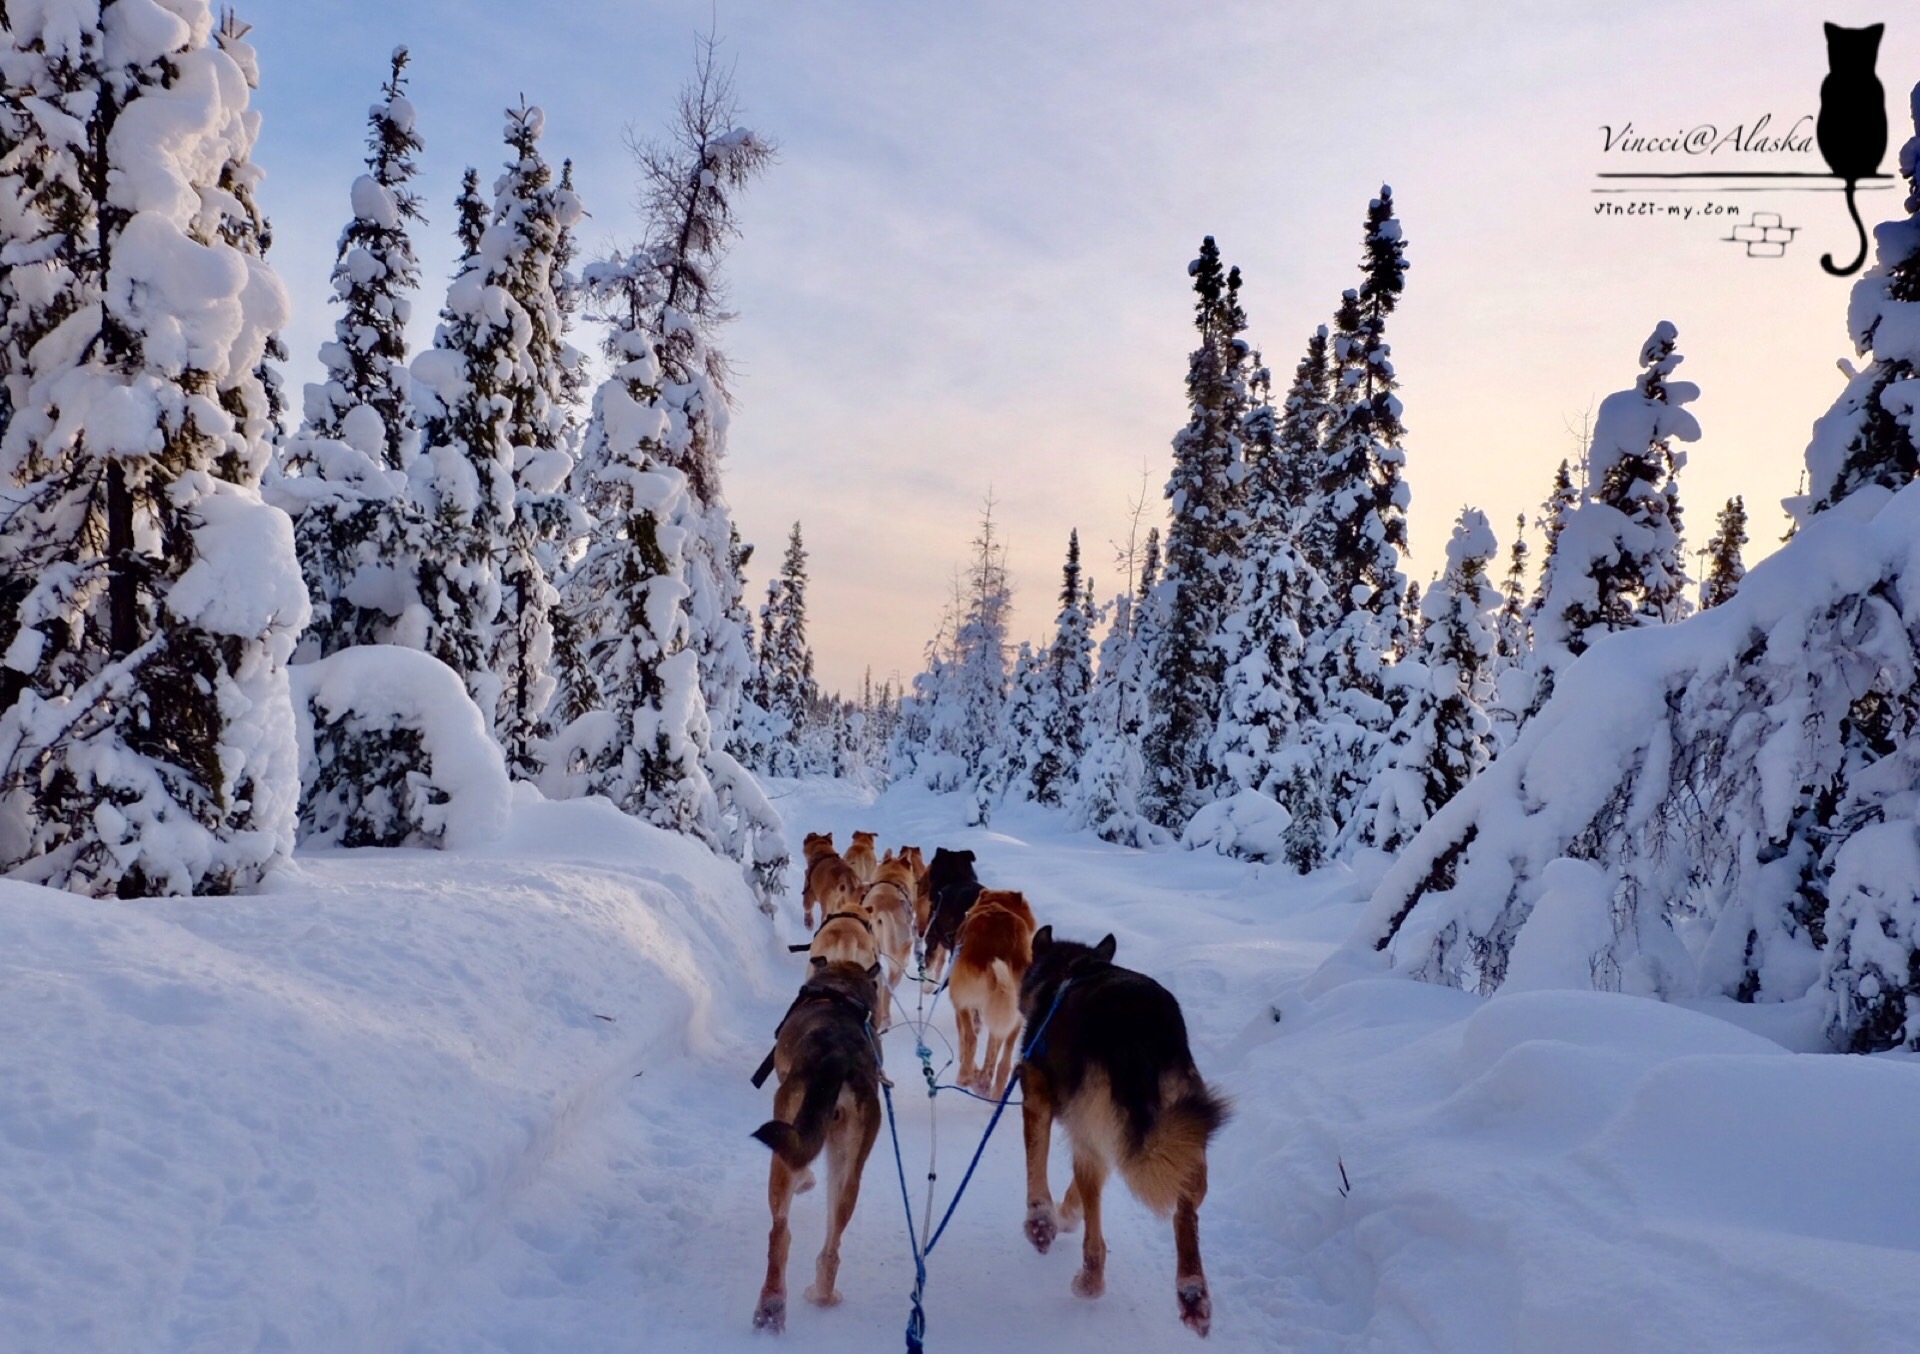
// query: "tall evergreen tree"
[[1511, 626], [1260, 636], [533, 213], [1617, 560], [786, 658], [342, 477], [363, 399], [1561, 500], [1364, 498], [152, 598], [689, 183], [464, 477], [1200, 549], [1052, 747], [643, 741], [1724, 566], [1107, 791]]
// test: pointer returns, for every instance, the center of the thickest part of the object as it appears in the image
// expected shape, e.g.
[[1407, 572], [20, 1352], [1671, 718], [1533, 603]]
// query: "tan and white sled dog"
[[1108, 1057], [861, 859], [846, 937], [829, 883], [995, 947], [889, 903], [829, 1098]]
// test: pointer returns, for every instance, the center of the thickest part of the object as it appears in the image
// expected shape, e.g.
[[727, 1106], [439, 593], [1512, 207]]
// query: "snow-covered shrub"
[[394, 753]]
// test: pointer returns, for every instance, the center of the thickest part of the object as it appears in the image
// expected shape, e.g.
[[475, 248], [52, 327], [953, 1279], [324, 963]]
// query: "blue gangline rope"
[[917, 1317]]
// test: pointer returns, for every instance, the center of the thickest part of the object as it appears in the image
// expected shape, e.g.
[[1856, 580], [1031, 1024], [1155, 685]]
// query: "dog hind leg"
[[771, 1313], [1089, 1179], [1036, 1121], [1190, 1280], [968, 1025], [843, 1189]]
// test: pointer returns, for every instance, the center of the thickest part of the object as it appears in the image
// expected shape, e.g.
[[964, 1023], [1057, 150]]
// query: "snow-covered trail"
[[391, 1107], [647, 1226]]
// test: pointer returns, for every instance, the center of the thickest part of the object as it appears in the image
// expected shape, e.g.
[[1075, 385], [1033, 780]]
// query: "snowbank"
[[279, 1122]]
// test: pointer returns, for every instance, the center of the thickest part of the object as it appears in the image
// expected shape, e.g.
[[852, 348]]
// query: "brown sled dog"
[[1112, 1064], [829, 882], [889, 902], [829, 1098], [995, 947], [861, 859]]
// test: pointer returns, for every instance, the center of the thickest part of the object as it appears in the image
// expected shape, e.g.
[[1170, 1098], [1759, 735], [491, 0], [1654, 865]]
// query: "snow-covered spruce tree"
[[1359, 527], [964, 688], [644, 741], [1724, 566], [1867, 437], [1443, 736], [1261, 635], [533, 213], [1300, 443], [786, 680], [1616, 562], [146, 733], [1201, 550], [342, 476], [1058, 738], [1106, 797], [689, 183], [463, 477], [1561, 500], [1017, 743], [1363, 497], [363, 399], [1514, 634]]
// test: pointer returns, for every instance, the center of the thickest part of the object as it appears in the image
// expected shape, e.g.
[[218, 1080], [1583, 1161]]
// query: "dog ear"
[[1042, 940], [1104, 950], [967, 856], [873, 972]]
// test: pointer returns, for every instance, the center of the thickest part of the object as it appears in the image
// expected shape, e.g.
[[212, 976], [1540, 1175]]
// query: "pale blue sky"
[[968, 268]]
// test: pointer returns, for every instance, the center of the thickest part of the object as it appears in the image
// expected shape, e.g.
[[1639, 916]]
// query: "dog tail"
[[1174, 1155], [799, 1142], [1003, 978]]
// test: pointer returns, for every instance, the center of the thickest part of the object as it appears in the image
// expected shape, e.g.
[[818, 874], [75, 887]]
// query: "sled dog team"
[[1113, 1065]]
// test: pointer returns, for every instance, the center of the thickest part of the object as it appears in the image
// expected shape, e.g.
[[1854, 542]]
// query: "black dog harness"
[[795, 949], [809, 994]]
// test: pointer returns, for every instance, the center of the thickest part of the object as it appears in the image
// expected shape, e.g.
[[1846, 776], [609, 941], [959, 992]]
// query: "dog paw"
[[771, 1314], [1042, 1226], [1089, 1284], [803, 1180], [1196, 1305], [823, 1297]]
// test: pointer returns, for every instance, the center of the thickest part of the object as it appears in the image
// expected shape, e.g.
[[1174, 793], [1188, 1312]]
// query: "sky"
[[966, 275]]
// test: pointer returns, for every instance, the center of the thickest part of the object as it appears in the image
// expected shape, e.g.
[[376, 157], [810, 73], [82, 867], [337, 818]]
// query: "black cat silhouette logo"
[[1852, 129]]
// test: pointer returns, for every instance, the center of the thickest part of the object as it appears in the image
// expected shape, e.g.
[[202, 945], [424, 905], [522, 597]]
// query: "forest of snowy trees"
[[225, 628], [182, 571]]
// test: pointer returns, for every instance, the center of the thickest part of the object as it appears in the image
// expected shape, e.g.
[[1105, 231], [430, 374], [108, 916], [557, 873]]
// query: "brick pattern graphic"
[[1765, 235]]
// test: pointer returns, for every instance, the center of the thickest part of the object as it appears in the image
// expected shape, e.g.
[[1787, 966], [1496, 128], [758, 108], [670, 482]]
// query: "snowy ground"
[[498, 1101]]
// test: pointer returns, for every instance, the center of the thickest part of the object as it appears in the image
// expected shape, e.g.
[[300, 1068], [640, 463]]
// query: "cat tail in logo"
[[1852, 129]]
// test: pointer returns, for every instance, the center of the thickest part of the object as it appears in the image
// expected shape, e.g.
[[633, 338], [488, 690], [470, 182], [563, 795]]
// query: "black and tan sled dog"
[[1112, 1065], [829, 1097]]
